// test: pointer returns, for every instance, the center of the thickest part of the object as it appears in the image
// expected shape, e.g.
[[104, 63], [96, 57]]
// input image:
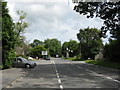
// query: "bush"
[[8, 58], [112, 51], [75, 59], [37, 51]]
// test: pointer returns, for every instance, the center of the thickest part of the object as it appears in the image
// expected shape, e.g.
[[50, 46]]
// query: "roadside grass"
[[1, 67], [75, 59], [104, 63]]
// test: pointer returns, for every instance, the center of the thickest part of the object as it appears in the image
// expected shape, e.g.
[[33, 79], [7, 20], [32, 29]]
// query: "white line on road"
[[113, 79], [61, 87], [59, 81], [109, 77], [116, 81], [58, 76], [100, 74]]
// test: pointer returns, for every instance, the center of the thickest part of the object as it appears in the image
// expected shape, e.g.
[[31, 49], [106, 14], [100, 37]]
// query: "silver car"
[[22, 62]]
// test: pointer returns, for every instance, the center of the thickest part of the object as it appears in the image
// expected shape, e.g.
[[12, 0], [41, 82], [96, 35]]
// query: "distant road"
[[65, 74]]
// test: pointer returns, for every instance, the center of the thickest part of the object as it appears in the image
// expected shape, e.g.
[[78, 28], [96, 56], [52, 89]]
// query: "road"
[[65, 74]]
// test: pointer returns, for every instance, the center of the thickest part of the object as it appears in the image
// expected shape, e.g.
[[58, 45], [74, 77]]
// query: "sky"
[[51, 19]]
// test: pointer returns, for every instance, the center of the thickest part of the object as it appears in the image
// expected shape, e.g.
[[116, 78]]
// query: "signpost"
[[44, 53]]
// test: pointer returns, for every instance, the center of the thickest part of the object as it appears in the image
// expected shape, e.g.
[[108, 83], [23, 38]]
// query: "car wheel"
[[27, 66]]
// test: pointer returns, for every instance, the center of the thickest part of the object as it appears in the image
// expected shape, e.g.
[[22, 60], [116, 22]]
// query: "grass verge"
[[1, 67], [104, 63], [75, 59]]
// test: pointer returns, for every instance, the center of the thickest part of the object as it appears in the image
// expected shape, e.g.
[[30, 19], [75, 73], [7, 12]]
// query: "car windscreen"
[[24, 60]]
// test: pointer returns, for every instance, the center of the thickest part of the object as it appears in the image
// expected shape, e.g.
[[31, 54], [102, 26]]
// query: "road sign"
[[44, 53]]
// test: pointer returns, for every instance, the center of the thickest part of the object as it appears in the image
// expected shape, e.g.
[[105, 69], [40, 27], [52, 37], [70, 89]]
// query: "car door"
[[19, 62]]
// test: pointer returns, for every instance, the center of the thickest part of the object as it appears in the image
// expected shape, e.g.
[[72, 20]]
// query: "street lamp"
[[67, 53]]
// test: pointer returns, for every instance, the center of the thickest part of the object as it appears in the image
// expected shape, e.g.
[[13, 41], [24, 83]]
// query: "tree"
[[8, 37], [54, 46], [90, 42], [112, 51], [23, 48], [37, 51], [21, 24], [107, 11], [36, 43], [72, 47]]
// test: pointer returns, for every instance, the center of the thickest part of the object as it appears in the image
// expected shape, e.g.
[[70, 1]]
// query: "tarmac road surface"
[[62, 74]]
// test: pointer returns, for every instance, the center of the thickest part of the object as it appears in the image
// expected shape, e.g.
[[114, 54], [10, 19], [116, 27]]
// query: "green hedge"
[[75, 59]]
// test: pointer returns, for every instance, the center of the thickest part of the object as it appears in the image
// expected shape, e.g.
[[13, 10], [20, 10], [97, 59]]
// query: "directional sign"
[[44, 53]]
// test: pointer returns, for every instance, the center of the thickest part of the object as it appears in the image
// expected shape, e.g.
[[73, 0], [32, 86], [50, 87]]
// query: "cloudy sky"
[[51, 19]]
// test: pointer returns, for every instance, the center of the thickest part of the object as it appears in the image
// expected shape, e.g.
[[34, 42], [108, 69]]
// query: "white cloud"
[[52, 20]]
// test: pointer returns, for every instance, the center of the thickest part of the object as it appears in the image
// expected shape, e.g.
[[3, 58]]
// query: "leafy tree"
[[21, 24], [90, 42], [23, 48], [36, 43], [37, 51], [112, 51], [8, 37], [72, 46], [54, 46], [107, 11]]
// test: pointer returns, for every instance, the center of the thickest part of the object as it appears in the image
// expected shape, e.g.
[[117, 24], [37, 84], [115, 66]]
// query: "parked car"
[[22, 62], [47, 57]]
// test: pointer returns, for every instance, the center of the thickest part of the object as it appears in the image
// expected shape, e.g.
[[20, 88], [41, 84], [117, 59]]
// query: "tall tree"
[[112, 51], [107, 11], [90, 42], [36, 42], [37, 51], [54, 46], [72, 47], [21, 24], [8, 37]]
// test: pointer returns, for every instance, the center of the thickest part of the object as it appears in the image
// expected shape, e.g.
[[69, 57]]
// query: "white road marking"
[[58, 76], [61, 87], [51, 61], [100, 74], [59, 81], [116, 81], [109, 77]]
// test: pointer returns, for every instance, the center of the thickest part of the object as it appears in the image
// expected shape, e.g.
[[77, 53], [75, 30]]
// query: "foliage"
[[54, 46], [107, 11], [73, 47], [8, 37], [104, 63], [21, 24], [75, 59], [90, 42], [112, 51], [37, 51], [36, 43]]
